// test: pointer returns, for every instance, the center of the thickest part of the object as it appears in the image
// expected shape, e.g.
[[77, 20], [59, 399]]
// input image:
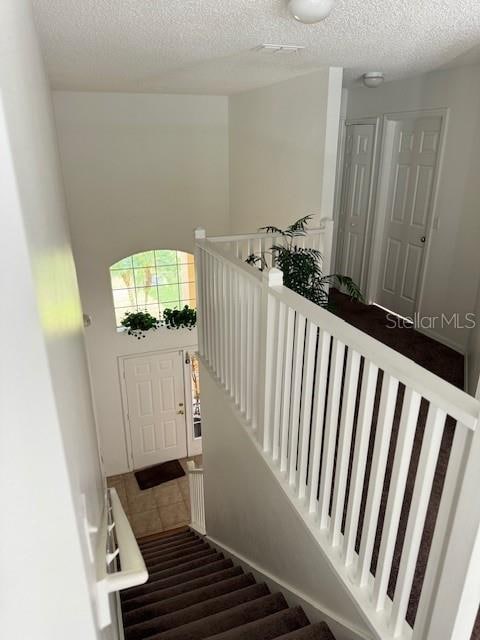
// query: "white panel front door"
[[409, 202], [156, 407], [358, 168]]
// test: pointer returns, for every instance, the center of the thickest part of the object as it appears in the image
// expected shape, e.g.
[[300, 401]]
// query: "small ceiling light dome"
[[310, 11], [373, 79]]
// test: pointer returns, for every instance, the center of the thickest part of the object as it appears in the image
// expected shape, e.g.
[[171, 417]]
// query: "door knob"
[[422, 239], [180, 412]]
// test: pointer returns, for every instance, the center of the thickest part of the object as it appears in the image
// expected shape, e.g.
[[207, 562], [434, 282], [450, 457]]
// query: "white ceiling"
[[207, 46]]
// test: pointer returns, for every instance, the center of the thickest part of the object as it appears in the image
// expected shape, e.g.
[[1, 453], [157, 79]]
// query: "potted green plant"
[[138, 323], [301, 267], [185, 318]]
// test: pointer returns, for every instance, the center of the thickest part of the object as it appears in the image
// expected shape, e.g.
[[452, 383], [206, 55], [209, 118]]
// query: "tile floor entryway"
[[161, 508]]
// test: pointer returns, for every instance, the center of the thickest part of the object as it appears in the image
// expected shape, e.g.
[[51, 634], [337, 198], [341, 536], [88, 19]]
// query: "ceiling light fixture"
[[373, 79], [310, 11]]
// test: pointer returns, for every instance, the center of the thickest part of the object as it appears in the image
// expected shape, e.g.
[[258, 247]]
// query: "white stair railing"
[[120, 563], [321, 400], [197, 503]]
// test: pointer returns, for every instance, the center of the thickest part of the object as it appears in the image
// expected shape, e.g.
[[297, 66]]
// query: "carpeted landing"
[[193, 592]]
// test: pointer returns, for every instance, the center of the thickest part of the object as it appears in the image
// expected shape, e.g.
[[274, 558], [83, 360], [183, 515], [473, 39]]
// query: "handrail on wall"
[[120, 563]]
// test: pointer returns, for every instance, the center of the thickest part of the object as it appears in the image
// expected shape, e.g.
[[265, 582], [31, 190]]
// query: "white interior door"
[[355, 204], [408, 208], [155, 396]]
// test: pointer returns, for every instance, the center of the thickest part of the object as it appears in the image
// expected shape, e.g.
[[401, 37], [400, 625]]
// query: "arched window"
[[153, 281]]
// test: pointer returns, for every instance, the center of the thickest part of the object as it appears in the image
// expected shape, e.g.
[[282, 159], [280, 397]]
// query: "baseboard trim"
[[341, 629]]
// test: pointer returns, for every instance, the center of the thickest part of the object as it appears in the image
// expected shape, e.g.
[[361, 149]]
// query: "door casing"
[[123, 390], [378, 221]]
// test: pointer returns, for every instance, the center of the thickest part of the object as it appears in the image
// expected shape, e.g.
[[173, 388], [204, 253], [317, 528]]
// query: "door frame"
[[384, 166], [182, 351], [367, 244]]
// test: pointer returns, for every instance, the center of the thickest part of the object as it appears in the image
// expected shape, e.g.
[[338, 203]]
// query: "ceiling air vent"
[[279, 48]]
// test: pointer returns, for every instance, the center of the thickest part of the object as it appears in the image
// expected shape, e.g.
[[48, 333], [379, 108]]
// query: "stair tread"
[[317, 631], [224, 620], [267, 628], [154, 553], [173, 572], [214, 563], [197, 611], [191, 554], [162, 544], [135, 605], [162, 539], [183, 600]]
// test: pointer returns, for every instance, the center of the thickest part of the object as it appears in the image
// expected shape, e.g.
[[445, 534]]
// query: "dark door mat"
[[158, 474]]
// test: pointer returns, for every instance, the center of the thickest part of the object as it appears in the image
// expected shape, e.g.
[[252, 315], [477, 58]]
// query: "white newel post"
[[200, 234], [271, 278], [451, 594], [327, 225]]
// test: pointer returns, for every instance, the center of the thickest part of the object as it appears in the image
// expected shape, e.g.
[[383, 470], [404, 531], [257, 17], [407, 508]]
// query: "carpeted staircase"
[[193, 592]]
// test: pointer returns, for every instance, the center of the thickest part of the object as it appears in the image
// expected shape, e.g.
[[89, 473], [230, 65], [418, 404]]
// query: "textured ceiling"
[[207, 46]]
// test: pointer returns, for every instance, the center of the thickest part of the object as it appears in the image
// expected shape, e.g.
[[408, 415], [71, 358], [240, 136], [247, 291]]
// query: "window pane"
[[167, 274], [153, 310], [124, 298], [122, 278], [145, 277], [187, 290], [169, 293], [120, 314], [166, 256], [184, 258], [186, 272], [124, 263], [146, 295], [145, 259]]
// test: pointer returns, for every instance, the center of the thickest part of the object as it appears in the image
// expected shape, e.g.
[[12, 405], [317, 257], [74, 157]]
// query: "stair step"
[[165, 563], [197, 612], [267, 628], [183, 600], [209, 565], [165, 541], [160, 553], [218, 622], [318, 631], [133, 608]]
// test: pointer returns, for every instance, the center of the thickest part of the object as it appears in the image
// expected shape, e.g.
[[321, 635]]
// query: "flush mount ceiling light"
[[373, 79], [310, 11]]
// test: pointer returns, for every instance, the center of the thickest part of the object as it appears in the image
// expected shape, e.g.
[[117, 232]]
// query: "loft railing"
[[355, 433], [120, 563]]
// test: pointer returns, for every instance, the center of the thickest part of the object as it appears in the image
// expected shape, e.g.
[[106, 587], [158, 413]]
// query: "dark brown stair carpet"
[[165, 542], [267, 628], [197, 611], [165, 554], [194, 593], [318, 631], [164, 546], [174, 572], [148, 587], [168, 605], [228, 619], [134, 607], [160, 564]]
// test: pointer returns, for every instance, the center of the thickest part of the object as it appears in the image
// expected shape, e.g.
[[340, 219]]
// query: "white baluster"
[[298, 351], [344, 443], [287, 388], [364, 425], [306, 407]]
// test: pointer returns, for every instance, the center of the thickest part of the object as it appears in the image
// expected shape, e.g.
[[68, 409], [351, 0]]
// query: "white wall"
[[453, 270], [247, 511], [283, 149], [50, 479], [141, 172]]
